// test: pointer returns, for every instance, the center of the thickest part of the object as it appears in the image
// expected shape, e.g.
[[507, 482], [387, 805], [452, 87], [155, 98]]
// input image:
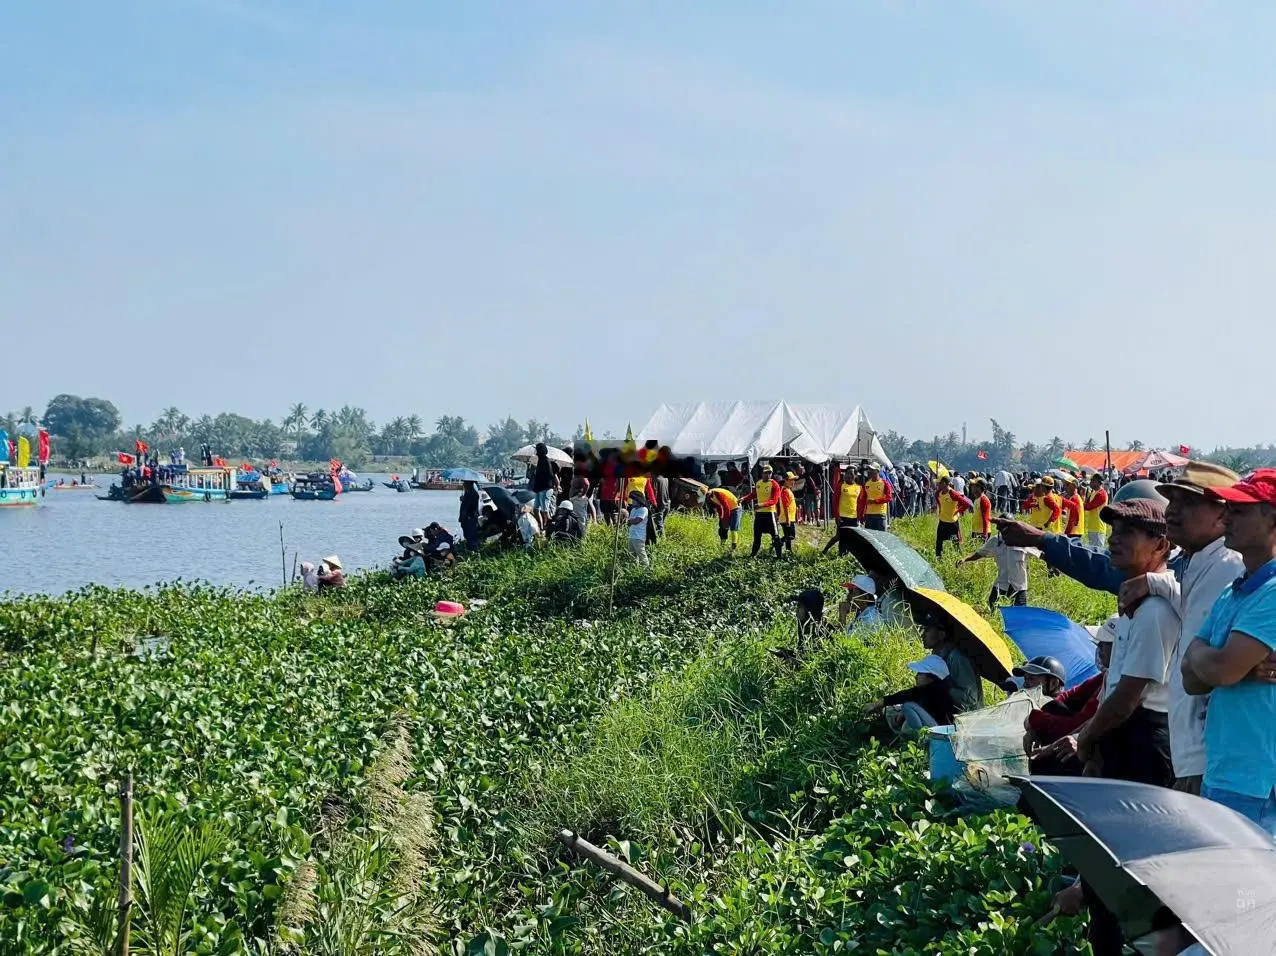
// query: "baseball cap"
[[790, 476], [1142, 513], [1047, 481], [932, 664], [1200, 476], [1104, 633], [1258, 488], [861, 582], [566, 506], [1041, 666], [767, 468]]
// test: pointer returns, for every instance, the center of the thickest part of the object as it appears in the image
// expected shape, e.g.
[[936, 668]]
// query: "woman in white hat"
[[331, 574]]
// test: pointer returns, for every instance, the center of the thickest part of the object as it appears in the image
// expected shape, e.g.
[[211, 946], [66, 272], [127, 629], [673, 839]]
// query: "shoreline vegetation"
[[93, 430], [343, 764]]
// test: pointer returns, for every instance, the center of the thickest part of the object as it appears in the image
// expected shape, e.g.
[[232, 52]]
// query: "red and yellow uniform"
[[1047, 513], [724, 501], [640, 483], [1095, 501], [876, 498], [787, 509], [848, 498], [981, 516], [951, 505], [1075, 523], [766, 493]]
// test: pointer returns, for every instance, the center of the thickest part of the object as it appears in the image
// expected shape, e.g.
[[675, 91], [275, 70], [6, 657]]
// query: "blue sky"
[[1057, 215]]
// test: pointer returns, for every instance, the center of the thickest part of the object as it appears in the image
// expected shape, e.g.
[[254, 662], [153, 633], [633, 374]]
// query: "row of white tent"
[[717, 431]]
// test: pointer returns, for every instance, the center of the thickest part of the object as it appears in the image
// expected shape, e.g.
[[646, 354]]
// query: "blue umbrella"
[[1042, 633], [464, 474]]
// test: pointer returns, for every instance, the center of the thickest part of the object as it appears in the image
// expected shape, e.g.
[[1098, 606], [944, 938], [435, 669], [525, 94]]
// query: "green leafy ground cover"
[[665, 729]]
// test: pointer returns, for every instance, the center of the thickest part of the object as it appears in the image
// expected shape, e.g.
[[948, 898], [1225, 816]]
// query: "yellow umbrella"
[[974, 636], [938, 469]]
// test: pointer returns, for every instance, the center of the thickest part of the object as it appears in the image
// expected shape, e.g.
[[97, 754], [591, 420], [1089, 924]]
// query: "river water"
[[72, 539]]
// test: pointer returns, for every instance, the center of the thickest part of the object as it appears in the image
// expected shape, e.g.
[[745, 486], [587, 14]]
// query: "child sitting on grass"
[[928, 703]]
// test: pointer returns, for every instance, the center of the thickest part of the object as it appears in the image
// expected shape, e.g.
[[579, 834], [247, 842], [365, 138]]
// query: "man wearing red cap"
[[1227, 660]]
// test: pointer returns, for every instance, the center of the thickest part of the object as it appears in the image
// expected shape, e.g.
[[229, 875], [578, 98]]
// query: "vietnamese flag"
[[43, 455], [126, 459], [219, 462], [982, 456], [141, 447], [1184, 450]]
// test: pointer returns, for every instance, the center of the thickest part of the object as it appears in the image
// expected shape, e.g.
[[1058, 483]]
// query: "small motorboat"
[[398, 483], [316, 486]]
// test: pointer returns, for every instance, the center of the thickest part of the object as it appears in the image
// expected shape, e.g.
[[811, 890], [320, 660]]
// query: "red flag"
[[44, 447], [125, 458], [13, 449], [982, 456], [1184, 450], [273, 463], [141, 446], [219, 462]]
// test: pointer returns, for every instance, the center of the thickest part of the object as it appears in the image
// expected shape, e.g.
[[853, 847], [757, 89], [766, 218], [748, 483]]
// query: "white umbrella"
[[528, 454]]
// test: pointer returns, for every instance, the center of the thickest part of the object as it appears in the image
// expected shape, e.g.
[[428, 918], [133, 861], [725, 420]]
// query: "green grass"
[[658, 722]]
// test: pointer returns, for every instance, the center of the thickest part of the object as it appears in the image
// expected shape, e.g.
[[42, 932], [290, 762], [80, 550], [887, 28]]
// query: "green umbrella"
[[884, 553], [1063, 461]]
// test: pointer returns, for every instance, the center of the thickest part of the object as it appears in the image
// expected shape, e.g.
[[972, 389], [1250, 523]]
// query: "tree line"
[[1003, 450], [84, 428]]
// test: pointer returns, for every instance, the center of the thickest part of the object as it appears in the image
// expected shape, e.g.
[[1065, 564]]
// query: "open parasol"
[[528, 454], [973, 635], [882, 552]]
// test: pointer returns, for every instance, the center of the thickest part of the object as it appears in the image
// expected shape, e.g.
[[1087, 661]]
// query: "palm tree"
[[413, 426], [319, 419], [28, 414], [296, 419], [1090, 445], [1136, 446]]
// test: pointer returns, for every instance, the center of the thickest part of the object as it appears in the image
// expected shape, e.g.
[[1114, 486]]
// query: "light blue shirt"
[[1240, 721]]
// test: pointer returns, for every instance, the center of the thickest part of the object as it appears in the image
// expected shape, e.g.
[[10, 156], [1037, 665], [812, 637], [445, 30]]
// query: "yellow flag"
[[629, 438], [24, 452], [589, 434]]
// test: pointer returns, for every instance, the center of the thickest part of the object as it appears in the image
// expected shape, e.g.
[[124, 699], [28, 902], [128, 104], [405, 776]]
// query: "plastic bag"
[[995, 733]]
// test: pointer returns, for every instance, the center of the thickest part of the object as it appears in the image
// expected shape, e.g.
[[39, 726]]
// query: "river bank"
[[663, 727]]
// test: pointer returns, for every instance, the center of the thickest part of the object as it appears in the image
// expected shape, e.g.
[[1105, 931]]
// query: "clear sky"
[[1058, 215]]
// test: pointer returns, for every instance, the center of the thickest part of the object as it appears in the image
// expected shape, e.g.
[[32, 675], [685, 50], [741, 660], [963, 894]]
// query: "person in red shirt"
[[980, 511], [1051, 733], [1073, 508]]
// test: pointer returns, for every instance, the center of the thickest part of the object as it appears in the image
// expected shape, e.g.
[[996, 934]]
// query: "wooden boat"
[[174, 484], [315, 487], [439, 485], [366, 485], [243, 493], [74, 486], [19, 486]]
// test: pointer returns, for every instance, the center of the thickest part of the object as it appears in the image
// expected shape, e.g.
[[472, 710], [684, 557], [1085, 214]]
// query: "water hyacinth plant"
[[346, 761]]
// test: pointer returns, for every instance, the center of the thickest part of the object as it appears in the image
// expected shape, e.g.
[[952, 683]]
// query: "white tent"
[[721, 430], [755, 430]]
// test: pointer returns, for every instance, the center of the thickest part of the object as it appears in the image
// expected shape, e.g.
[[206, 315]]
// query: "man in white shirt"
[[1195, 522], [1128, 738], [958, 483], [637, 522], [1012, 571]]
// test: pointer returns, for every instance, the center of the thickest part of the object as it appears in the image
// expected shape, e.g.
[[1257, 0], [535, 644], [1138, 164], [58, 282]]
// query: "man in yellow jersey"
[[1074, 509], [767, 495], [726, 506], [952, 505], [846, 501], [1047, 508], [980, 510], [1096, 500], [787, 513], [876, 499]]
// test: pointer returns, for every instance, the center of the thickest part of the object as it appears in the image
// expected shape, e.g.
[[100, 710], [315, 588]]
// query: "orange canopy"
[[1098, 460]]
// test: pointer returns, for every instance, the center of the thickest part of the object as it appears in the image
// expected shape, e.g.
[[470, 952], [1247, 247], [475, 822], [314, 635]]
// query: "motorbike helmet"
[[1143, 488]]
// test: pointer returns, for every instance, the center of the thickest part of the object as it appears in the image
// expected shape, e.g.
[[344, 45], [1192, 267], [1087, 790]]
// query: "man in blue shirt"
[[1236, 638]]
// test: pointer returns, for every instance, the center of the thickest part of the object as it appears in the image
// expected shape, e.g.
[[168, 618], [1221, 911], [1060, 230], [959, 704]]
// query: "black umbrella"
[[503, 501], [1142, 848]]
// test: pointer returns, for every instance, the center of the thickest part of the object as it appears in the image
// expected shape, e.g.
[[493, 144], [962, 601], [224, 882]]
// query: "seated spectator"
[[965, 686], [411, 564], [331, 575], [928, 703], [1050, 738], [439, 544], [859, 608], [309, 576], [1044, 672], [529, 528], [565, 526]]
